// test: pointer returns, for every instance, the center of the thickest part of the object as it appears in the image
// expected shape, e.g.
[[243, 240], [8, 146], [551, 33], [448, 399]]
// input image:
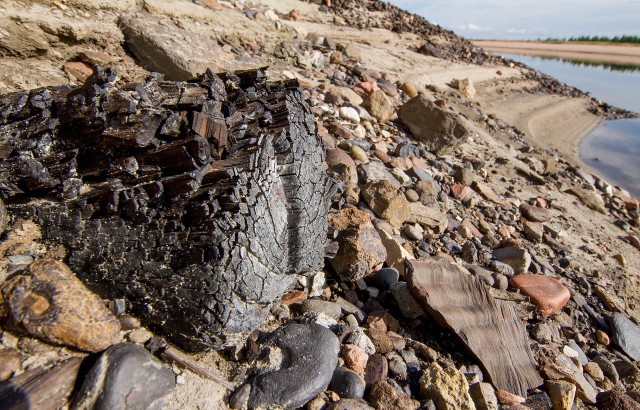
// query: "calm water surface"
[[613, 149]]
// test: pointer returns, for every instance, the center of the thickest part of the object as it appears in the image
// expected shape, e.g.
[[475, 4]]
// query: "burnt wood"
[[194, 201]]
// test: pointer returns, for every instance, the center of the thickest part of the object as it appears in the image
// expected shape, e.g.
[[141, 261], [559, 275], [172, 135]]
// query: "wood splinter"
[[157, 345]]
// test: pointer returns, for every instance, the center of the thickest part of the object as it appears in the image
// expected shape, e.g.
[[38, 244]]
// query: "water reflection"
[[625, 68]]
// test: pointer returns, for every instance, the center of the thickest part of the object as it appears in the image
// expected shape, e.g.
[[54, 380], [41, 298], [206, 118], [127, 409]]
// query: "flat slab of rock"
[[489, 328], [310, 356], [626, 334], [547, 293]]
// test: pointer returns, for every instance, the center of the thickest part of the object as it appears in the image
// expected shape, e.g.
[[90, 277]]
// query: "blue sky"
[[517, 19]]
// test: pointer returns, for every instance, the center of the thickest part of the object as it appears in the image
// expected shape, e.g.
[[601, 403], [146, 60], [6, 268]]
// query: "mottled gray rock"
[[409, 307], [125, 376], [310, 356], [581, 356], [626, 334], [385, 278], [347, 384], [331, 309], [518, 258]]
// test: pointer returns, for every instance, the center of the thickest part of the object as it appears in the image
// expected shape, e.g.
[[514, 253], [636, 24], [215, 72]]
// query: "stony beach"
[[400, 222]]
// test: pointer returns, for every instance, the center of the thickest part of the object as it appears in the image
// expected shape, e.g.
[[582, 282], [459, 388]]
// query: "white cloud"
[[472, 27]]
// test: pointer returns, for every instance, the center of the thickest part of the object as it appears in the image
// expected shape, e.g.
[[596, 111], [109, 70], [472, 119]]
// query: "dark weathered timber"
[[40, 388], [489, 328], [195, 201]]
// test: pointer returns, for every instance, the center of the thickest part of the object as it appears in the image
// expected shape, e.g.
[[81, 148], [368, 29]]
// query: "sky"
[[531, 19]]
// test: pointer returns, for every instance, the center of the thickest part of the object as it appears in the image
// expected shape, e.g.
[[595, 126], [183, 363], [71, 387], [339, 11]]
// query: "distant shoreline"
[[584, 51]]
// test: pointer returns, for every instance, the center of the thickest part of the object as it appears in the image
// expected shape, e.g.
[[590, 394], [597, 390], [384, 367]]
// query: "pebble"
[[331, 309], [509, 399], [377, 369], [626, 334], [387, 202], [581, 356], [49, 302], [413, 232], [355, 357], [358, 154], [409, 89], [484, 396], [602, 338], [384, 396], [409, 307], [548, 294], [360, 339], [381, 341], [347, 384], [534, 213], [125, 376], [562, 394], [519, 259], [349, 114], [139, 336], [594, 370], [385, 278], [308, 346], [9, 363], [448, 388]]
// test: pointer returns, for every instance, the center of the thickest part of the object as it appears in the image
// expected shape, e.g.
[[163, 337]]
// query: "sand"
[[596, 52]]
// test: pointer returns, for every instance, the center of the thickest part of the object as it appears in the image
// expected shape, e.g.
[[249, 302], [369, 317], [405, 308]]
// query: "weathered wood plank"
[[489, 328]]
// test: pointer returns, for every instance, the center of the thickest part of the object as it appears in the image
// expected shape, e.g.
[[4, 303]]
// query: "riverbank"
[[594, 52]]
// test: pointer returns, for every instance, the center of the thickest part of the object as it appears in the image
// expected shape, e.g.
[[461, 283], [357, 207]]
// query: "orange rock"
[[509, 399], [547, 293], [409, 89], [355, 358], [212, 4], [460, 192], [78, 70], [293, 297]]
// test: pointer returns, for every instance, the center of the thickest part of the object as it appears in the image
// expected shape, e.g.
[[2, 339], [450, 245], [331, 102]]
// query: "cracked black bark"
[[195, 201]]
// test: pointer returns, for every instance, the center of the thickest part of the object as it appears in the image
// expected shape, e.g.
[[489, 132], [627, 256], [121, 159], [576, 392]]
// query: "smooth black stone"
[[311, 356], [347, 384]]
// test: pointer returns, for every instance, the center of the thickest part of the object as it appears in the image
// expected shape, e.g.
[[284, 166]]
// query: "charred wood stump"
[[195, 201]]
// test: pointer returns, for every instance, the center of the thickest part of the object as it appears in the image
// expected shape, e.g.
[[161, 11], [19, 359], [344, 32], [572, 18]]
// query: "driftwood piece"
[[489, 328], [157, 345], [40, 388], [195, 201]]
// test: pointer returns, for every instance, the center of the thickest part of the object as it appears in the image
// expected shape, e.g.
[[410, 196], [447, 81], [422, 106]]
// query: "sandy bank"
[[604, 53]]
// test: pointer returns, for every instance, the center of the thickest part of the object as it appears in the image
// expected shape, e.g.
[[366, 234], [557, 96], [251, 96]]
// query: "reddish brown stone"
[[293, 297], [460, 192], [509, 399], [535, 213], [381, 341], [355, 358], [377, 369], [634, 241], [409, 89], [547, 293], [78, 70], [212, 4]]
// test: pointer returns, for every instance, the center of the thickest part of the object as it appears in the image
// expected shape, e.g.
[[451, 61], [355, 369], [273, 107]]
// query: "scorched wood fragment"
[[489, 328], [196, 201]]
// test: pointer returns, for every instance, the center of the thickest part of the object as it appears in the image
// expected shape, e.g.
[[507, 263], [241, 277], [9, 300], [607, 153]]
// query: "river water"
[[613, 148]]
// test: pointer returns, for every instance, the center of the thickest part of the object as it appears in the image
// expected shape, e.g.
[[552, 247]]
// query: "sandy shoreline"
[[596, 52]]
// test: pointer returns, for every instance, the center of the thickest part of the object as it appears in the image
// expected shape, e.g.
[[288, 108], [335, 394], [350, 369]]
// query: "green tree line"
[[601, 39]]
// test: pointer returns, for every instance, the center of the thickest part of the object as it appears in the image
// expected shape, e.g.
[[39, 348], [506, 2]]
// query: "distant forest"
[[599, 39]]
